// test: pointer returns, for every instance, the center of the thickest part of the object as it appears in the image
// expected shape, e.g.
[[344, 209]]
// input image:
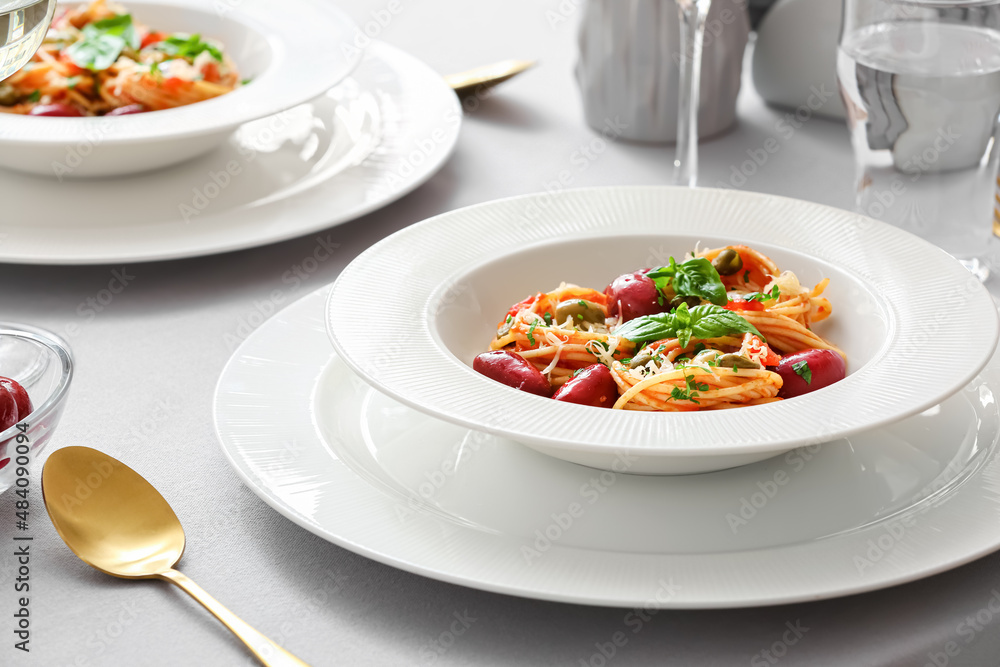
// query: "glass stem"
[[692, 15]]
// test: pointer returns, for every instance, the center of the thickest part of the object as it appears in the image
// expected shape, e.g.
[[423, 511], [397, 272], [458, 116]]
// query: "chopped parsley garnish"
[[548, 319], [35, 96], [746, 276], [531, 331], [103, 41], [802, 369], [245, 82], [690, 392], [763, 296], [187, 46], [703, 322], [72, 81], [577, 372]]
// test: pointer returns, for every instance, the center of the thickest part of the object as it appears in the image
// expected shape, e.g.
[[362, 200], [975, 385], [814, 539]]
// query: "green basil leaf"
[[103, 41], [661, 277], [188, 46], [664, 271], [648, 327], [683, 315], [684, 336], [119, 25], [697, 277], [703, 322], [97, 53], [711, 321]]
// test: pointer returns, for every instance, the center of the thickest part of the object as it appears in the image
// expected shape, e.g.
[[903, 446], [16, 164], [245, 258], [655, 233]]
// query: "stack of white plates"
[[332, 125], [388, 444]]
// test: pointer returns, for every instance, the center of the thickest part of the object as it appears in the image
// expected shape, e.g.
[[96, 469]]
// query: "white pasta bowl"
[[411, 313], [292, 52]]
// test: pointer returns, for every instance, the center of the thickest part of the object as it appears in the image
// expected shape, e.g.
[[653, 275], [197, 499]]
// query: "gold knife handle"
[[267, 652]]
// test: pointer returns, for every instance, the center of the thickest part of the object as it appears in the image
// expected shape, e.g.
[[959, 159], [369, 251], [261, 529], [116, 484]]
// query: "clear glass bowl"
[[43, 364]]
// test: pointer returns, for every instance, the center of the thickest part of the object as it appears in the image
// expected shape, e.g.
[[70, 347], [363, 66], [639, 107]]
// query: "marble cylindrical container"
[[629, 66]]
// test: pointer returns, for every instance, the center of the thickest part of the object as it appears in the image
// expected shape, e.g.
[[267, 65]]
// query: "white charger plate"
[[370, 140], [896, 299], [357, 468]]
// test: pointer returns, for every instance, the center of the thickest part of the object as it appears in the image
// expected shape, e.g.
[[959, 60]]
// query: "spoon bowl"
[[109, 515], [116, 522]]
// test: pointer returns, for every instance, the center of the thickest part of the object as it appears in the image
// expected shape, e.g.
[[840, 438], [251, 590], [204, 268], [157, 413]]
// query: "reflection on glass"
[[692, 19], [23, 24]]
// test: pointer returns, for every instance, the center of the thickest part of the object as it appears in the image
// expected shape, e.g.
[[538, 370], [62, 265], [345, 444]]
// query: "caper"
[[691, 301], [641, 359], [736, 361], [8, 95], [728, 262], [579, 310]]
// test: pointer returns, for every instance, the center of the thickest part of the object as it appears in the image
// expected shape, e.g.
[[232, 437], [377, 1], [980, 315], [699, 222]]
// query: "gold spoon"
[[116, 522], [469, 82]]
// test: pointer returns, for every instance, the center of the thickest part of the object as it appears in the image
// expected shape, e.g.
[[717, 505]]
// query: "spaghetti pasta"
[[705, 334]]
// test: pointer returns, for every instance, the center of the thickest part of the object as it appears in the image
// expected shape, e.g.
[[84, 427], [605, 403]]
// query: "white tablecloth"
[[149, 360]]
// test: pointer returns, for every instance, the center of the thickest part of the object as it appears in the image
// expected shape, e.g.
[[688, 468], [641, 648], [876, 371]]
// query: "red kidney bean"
[[512, 370], [57, 109], [20, 396], [593, 386], [635, 294], [127, 110], [825, 367]]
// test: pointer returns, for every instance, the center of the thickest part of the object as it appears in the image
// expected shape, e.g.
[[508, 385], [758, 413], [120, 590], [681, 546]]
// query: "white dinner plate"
[[895, 299], [375, 137], [380, 479]]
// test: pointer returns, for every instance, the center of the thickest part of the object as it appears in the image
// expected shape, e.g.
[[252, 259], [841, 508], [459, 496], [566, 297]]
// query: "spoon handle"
[[267, 652]]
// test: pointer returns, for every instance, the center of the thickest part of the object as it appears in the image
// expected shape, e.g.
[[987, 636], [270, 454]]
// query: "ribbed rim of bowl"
[[419, 372], [65, 356], [309, 41]]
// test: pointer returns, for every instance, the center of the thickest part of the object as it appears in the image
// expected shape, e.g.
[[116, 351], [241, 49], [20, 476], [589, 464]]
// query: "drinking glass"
[[692, 14], [23, 24], [921, 83]]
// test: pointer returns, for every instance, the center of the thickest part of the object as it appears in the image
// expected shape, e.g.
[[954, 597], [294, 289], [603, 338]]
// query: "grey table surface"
[[149, 360]]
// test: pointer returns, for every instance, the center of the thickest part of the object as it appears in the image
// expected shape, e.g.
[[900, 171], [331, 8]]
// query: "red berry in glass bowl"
[[19, 395], [36, 369], [8, 410]]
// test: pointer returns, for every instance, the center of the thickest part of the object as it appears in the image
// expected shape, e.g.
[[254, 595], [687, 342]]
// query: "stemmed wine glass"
[[23, 24], [692, 14]]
